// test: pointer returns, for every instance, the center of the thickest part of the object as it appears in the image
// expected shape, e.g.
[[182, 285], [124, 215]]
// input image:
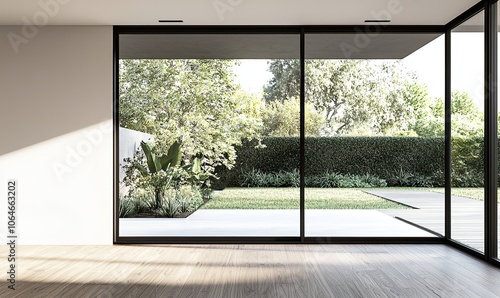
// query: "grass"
[[288, 198]]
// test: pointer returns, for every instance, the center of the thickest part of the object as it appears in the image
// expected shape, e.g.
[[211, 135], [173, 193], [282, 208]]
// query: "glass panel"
[[467, 125], [218, 165], [375, 135]]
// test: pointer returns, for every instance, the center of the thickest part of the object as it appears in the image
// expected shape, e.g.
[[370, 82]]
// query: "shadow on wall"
[[58, 83]]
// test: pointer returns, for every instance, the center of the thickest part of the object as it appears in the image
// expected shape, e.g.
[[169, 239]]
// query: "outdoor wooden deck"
[[467, 215]]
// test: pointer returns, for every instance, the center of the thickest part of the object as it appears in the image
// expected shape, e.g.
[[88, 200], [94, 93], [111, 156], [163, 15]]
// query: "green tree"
[[192, 101], [466, 117], [285, 82], [354, 96], [283, 119]]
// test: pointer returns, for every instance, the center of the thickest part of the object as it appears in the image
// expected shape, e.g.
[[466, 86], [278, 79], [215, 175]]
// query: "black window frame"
[[491, 137]]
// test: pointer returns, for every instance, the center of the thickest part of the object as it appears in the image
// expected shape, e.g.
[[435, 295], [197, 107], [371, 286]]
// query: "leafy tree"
[[285, 82], [195, 102], [467, 119], [283, 118], [354, 96]]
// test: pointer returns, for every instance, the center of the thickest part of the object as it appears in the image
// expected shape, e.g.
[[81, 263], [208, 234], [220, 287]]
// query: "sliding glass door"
[[209, 135], [208, 145], [374, 135], [299, 134], [467, 133]]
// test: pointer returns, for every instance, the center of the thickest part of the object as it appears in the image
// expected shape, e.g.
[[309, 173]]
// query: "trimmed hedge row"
[[389, 158], [376, 156], [380, 156]]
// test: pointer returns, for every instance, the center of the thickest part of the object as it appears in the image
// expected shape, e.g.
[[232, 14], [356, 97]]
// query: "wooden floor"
[[250, 271]]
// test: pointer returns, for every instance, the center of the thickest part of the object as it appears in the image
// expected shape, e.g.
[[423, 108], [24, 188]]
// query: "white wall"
[[129, 143], [56, 133]]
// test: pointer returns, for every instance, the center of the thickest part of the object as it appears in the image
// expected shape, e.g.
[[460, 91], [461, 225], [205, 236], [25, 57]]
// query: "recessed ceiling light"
[[377, 21], [170, 21]]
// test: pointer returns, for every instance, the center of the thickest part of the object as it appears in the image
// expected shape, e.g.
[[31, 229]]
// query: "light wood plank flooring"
[[250, 271]]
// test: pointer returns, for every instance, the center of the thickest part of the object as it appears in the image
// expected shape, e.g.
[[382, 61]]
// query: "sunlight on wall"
[[65, 188]]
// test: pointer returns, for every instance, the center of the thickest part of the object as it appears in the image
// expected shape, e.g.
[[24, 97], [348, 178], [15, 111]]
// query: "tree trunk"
[[158, 198]]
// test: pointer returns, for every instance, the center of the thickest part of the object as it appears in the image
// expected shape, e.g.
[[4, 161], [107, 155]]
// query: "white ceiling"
[[231, 12]]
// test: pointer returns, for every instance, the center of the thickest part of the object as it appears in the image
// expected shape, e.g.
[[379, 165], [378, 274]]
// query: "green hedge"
[[385, 157], [374, 155], [378, 156], [467, 162]]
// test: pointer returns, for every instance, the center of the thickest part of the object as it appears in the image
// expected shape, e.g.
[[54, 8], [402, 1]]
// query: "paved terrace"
[[467, 215], [427, 212], [367, 223]]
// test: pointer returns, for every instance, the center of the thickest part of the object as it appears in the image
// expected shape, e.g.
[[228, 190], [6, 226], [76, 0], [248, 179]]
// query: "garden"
[[265, 176], [217, 146]]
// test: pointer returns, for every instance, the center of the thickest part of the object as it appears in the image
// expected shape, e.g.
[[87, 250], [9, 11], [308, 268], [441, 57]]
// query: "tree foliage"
[[192, 101], [366, 97], [354, 96], [466, 117], [283, 119]]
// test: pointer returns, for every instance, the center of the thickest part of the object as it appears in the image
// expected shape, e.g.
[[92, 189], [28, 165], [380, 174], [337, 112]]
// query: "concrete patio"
[[425, 218], [353, 223]]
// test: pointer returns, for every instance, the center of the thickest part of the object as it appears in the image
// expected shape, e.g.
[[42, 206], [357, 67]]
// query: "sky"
[[427, 63], [252, 74]]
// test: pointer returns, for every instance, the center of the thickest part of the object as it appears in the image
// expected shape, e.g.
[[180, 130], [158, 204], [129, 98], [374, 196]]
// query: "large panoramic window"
[[214, 132], [374, 125], [206, 148], [467, 133], [209, 135]]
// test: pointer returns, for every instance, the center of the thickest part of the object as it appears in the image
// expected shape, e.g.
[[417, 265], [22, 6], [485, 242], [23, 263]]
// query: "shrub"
[[325, 181], [256, 178], [126, 208], [438, 178], [144, 200], [467, 161], [183, 199], [139, 201], [421, 160], [189, 198], [174, 202], [374, 155], [422, 181], [342, 155], [399, 178], [331, 180], [170, 206], [373, 180], [252, 178]]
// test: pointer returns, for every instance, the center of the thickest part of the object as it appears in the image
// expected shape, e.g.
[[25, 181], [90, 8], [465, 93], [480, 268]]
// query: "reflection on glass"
[[467, 122], [375, 136], [200, 128]]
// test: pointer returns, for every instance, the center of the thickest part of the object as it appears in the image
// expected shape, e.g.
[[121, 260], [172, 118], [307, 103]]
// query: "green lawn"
[[288, 198]]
